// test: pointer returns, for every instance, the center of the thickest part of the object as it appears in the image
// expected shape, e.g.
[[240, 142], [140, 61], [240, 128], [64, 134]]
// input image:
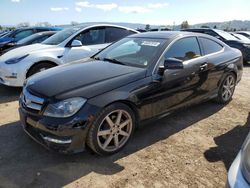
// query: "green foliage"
[[184, 25]]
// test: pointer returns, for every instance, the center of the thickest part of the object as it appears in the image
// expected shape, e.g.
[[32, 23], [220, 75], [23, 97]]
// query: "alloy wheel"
[[228, 87], [114, 130]]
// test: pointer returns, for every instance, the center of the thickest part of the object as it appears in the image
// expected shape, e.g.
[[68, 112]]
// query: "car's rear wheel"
[[39, 68], [112, 129], [226, 89]]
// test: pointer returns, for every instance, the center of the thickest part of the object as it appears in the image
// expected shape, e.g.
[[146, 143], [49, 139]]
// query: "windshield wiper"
[[113, 61]]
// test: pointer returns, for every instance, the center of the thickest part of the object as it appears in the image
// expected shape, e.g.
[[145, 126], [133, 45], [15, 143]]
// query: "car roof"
[[166, 34], [45, 33], [88, 25], [198, 29], [49, 28]]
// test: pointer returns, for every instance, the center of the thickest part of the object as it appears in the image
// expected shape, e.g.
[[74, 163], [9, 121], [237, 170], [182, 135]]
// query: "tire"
[[108, 135], [38, 68], [226, 89]]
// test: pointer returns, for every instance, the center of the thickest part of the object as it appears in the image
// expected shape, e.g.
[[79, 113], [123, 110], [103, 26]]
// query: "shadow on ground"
[[24, 163], [228, 144], [9, 94]]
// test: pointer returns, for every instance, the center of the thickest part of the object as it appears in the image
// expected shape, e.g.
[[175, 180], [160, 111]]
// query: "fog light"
[[57, 141]]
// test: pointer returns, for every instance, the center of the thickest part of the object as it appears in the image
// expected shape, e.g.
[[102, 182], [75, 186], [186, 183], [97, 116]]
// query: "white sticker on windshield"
[[150, 43]]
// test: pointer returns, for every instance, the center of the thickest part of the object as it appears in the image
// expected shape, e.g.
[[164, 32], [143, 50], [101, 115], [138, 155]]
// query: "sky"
[[155, 12]]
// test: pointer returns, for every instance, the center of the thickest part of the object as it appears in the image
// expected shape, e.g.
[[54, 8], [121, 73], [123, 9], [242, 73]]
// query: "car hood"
[[24, 50], [84, 78]]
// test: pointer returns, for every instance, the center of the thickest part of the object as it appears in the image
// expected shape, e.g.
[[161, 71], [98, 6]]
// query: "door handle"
[[203, 67]]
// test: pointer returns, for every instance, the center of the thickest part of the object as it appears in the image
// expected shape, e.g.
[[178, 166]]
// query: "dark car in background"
[[4, 33], [138, 78], [240, 37], [32, 39], [227, 38], [14, 36], [245, 33]]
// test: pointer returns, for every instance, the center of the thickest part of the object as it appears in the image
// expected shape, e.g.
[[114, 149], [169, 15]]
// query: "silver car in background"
[[65, 46], [239, 172]]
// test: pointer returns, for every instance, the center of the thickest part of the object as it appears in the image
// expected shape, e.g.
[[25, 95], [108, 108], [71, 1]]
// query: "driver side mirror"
[[76, 43], [171, 64]]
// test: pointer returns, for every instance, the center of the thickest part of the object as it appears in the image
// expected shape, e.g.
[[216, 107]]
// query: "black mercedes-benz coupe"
[[98, 102]]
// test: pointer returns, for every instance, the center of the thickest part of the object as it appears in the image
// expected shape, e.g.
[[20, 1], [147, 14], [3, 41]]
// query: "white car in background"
[[65, 46]]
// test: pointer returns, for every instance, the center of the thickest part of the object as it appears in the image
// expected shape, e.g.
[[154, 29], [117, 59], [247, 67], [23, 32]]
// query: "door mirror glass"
[[173, 63], [76, 43]]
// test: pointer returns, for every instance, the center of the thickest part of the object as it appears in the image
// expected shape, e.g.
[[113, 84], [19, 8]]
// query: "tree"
[[1, 28], [184, 25], [147, 28], [215, 27]]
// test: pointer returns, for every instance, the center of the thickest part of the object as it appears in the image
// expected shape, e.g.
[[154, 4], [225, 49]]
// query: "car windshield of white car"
[[60, 36], [139, 52]]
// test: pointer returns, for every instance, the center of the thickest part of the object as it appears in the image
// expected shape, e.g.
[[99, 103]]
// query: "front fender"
[[113, 96]]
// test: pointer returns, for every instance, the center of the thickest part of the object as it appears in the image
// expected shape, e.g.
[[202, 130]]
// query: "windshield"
[[241, 37], [138, 52], [60, 36], [225, 35]]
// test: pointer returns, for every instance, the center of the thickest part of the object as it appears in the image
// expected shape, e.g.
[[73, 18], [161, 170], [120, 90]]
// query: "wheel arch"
[[131, 105], [231, 68], [37, 63]]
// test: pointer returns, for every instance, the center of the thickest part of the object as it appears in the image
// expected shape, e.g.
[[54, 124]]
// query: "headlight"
[[245, 159], [15, 60], [246, 45], [65, 108]]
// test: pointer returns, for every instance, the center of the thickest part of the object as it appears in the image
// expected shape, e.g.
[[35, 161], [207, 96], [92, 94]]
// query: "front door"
[[178, 87]]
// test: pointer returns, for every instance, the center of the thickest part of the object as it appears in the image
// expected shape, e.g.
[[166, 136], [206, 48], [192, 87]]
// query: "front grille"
[[31, 102]]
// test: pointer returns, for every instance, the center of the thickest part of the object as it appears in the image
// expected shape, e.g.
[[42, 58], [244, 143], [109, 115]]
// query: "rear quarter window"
[[210, 46]]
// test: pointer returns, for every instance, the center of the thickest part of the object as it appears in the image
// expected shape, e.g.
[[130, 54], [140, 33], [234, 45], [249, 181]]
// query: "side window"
[[210, 46], [114, 34], [92, 36], [184, 49], [40, 39], [23, 34]]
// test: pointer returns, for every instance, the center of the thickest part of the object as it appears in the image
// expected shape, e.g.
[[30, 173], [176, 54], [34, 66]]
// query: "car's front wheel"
[[39, 68], [226, 89], [112, 129]]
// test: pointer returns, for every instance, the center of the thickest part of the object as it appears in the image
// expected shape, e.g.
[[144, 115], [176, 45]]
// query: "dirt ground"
[[190, 148]]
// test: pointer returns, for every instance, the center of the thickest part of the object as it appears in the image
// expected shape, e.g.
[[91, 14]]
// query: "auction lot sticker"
[[150, 43]]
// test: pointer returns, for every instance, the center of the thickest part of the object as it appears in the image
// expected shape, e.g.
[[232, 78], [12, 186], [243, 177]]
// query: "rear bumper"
[[235, 177], [64, 135]]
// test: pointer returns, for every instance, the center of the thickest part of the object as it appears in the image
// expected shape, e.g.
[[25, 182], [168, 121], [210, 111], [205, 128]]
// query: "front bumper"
[[12, 75], [64, 135], [235, 177]]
